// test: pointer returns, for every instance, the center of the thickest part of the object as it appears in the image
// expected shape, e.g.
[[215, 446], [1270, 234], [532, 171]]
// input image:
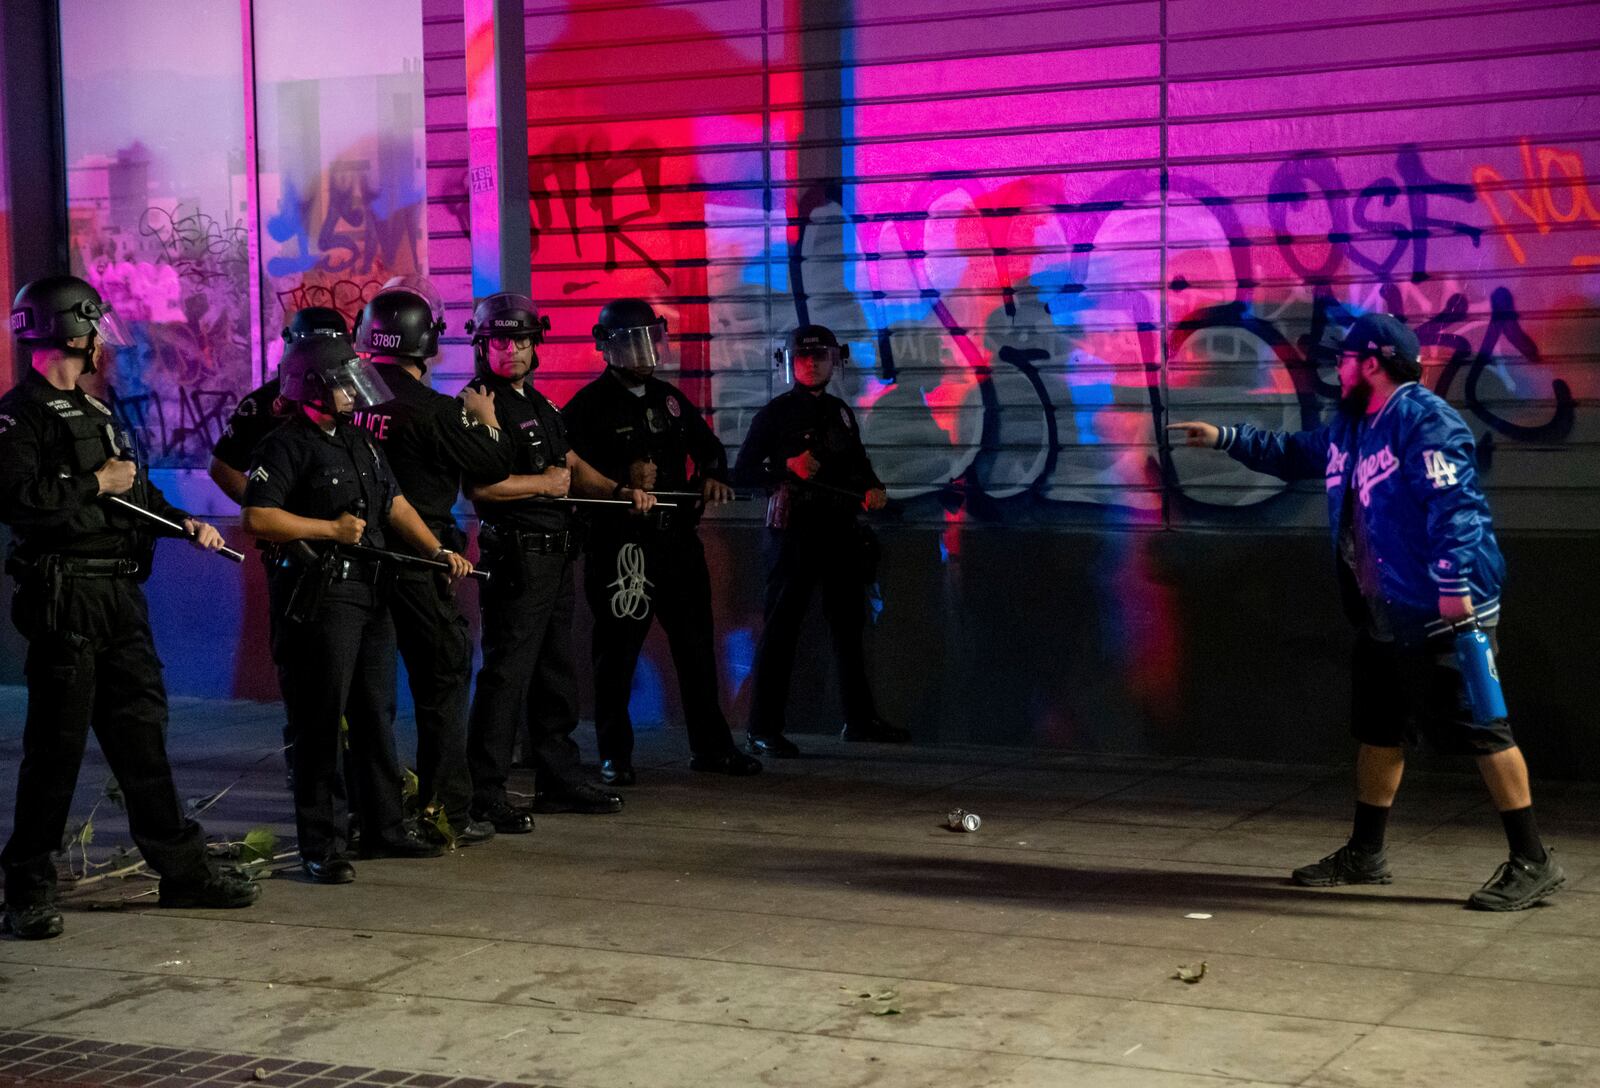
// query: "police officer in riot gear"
[[805, 447], [78, 562], [262, 409], [528, 680], [431, 441], [637, 428], [258, 414], [320, 489]]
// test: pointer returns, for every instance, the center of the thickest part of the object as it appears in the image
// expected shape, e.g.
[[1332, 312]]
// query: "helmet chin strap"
[[86, 353]]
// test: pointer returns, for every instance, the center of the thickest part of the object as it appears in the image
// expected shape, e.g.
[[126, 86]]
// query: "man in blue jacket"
[[1416, 557]]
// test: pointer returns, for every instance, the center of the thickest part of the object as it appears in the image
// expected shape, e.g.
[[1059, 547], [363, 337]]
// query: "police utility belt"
[[525, 540], [77, 566], [337, 567]]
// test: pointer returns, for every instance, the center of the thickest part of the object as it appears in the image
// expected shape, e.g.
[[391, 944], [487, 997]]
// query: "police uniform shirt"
[[51, 443], [611, 426], [305, 470], [252, 420], [799, 420], [538, 440], [431, 443]]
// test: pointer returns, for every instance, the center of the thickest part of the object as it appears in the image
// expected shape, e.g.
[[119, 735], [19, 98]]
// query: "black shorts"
[[1402, 695]]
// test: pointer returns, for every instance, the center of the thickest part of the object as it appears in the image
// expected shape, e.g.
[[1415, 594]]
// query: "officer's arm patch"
[[259, 473]]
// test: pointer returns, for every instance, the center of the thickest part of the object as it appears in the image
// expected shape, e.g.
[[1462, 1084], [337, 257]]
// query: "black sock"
[[1522, 832], [1371, 821]]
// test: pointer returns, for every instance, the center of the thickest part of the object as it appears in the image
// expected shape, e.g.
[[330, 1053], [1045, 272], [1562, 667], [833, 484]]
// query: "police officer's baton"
[[697, 495], [403, 559], [602, 502], [150, 515]]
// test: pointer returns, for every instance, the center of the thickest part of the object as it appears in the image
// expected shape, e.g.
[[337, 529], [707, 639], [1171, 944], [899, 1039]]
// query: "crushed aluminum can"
[[961, 820]]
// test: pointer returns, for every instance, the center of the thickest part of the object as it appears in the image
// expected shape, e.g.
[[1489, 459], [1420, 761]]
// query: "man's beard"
[[1354, 403]]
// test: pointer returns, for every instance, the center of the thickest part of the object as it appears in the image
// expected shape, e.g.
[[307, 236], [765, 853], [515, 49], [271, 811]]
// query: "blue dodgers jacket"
[[1414, 468]]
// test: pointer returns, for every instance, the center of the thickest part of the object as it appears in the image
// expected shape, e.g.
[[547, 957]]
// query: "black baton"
[[403, 559], [601, 502], [151, 515]]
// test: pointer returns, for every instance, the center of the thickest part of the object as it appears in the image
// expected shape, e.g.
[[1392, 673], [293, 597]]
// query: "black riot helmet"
[[315, 321], [314, 368], [509, 317], [404, 320], [56, 309], [632, 336], [813, 342]]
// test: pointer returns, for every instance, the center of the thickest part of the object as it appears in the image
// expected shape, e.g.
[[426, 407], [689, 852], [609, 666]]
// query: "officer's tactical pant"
[[340, 664], [800, 560], [632, 577], [98, 668], [436, 645], [528, 680]]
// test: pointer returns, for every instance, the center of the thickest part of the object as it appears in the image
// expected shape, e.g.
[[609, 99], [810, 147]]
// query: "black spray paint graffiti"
[[554, 179], [1373, 228], [200, 417], [345, 295], [199, 248]]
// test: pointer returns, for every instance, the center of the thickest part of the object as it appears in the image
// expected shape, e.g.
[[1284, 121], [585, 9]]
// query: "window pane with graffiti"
[[339, 113], [157, 199]]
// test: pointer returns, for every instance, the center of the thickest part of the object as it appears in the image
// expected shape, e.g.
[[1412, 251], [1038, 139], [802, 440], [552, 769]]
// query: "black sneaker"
[[731, 762], [40, 922], [582, 797], [1346, 865], [614, 772], [504, 817], [777, 746], [1519, 883], [225, 889]]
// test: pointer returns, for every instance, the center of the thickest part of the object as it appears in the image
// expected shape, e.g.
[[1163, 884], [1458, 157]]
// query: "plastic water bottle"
[[1479, 673]]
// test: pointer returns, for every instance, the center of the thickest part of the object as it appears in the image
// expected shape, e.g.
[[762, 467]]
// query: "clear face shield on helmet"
[[110, 329], [109, 333], [811, 366], [638, 350], [358, 380]]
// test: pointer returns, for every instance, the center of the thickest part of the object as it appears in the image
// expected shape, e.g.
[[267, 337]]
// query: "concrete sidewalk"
[[817, 926]]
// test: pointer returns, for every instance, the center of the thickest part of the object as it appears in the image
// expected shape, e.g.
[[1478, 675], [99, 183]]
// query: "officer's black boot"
[[577, 797], [223, 889], [39, 922], [776, 745], [505, 817]]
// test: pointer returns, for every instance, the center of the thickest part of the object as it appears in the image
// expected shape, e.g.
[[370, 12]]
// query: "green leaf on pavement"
[[258, 847]]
